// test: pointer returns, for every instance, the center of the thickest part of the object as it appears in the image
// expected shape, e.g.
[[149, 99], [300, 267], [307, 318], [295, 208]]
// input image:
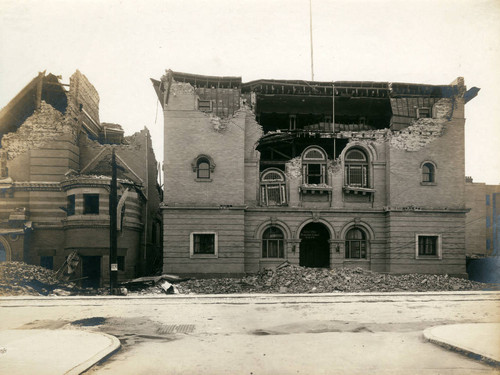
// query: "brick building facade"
[[320, 174], [55, 182]]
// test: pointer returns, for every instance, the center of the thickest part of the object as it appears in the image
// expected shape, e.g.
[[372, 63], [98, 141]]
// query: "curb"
[[430, 337], [106, 352]]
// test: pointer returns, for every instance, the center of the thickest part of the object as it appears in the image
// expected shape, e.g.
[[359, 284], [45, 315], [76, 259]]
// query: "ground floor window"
[[203, 244], [428, 246], [273, 243], [355, 244]]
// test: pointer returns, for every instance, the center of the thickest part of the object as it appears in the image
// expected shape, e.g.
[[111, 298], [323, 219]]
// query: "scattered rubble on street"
[[296, 279], [19, 278]]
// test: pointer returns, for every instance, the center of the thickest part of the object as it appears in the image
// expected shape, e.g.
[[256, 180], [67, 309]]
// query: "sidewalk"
[[480, 341], [52, 352]]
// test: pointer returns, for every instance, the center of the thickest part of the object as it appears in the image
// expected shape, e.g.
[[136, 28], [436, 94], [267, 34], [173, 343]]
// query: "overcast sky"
[[119, 45]]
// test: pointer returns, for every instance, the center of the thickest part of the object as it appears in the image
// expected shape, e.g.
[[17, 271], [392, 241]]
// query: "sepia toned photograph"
[[249, 187]]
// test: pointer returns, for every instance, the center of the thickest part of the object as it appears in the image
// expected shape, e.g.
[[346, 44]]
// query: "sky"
[[120, 45]]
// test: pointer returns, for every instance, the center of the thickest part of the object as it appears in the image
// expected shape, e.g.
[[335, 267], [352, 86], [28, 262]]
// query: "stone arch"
[[270, 223], [367, 148], [322, 221], [352, 224], [4, 245]]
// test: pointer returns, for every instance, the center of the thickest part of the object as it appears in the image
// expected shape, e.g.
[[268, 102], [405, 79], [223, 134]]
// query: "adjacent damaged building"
[[55, 165], [319, 174]]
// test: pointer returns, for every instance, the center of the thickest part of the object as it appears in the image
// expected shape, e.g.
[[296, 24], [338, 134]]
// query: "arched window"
[[355, 244], [204, 166], [273, 243], [272, 188], [356, 168], [314, 166], [428, 173]]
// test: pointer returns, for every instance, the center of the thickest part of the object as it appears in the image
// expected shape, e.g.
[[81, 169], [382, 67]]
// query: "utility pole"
[[113, 265]]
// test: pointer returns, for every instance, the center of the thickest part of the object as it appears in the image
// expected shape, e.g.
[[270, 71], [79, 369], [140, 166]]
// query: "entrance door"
[[91, 271], [314, 246]]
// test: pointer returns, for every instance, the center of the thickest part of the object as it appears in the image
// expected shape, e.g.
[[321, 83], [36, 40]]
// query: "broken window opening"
[[47, 262], [314, 166], [273, 243], [272, 188], [4, 171], [90, 204], [205, 105], [355, 244]]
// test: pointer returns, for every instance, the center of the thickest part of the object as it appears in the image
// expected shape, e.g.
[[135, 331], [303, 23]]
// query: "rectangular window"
[[428, 246], [273, 248], [488, 244], [488, 222], [203, 244], [90, 204], [357, 175], [314, 175], [121, 262], [424, 113], [487, 199], [205, 105], [47, 262], [70, 205]]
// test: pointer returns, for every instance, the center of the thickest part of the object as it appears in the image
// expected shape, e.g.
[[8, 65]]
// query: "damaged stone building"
[[318, 174], [55, 160]]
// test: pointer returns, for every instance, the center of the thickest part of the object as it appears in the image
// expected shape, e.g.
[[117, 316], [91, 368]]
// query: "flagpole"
[[311, 34]]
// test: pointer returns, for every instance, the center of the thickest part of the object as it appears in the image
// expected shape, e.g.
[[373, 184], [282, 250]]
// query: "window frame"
[[192, 253], [88, 211], [431, 166], [281, 244], [357, 164], [348, 242], [320, 161], [279, 184], [195, 163], [437, 256], [199, 162]]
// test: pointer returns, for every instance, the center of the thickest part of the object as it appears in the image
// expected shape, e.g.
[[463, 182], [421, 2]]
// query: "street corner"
[[42, 351], [480, 341]]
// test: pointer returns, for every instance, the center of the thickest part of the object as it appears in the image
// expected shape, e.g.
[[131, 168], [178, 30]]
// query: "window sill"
[[357, 190], [428, 183], [313, 188], [203, 179], [203, 256], [428, 257]]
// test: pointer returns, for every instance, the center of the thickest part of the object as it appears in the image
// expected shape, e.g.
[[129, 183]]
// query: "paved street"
[[265, 334]]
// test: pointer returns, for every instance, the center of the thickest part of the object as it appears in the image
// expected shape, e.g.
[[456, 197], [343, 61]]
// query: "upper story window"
[[90, 204], [203, 166], [356, 168], [314, 166], [272, 188], [428, 173], [273, 243], [355, 244]]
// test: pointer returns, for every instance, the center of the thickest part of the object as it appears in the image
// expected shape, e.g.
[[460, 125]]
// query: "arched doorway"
[[314, 246]]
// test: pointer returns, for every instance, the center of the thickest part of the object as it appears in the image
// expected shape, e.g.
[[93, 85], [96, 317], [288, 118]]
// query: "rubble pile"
[[18, 278], [296, 279]]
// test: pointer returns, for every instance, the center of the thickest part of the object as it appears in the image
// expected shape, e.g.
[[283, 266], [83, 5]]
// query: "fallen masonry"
[[296, 279], [19, 278]]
